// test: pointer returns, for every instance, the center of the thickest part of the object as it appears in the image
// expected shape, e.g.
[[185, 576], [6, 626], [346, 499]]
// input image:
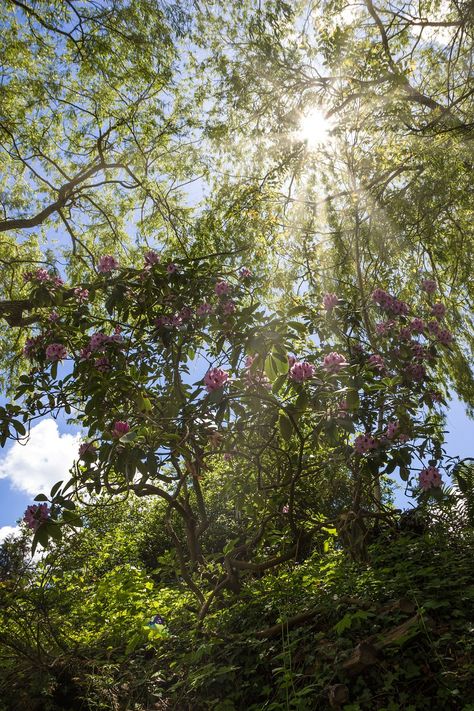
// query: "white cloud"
[[45, 459], [6, 530]]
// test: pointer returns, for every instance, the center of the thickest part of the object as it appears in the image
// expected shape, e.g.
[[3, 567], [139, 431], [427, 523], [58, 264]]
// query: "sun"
[[315, 128]]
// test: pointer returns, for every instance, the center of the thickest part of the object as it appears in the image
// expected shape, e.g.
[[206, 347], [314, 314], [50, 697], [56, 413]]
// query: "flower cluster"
[[377, 362], [301, 371], [330, 300], [428, 285], [151, 258], [56, 351], [81, 294], [107, 264], [365, 443], [389, 303], [36, 515], [430, 478], [222, 288], [215, 378], [120, 429], [42, 276], [333, 362]]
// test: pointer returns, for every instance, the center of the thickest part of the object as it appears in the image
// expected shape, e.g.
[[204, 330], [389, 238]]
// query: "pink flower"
[[56, 351], [419, 351], [416, 371], [98, 341], [438, 310], [245, 273], [405, 333], [81, 294], [417, 325], [377, 362], [291, 360], [333, 362], [171, 268], [107, 263], [120, 429], [428, 285], [392, 429], [285, 509], [433, 327], [222, 288], [87, 450], [176, 320], [228, 307], [204, 309], [151, 258], [445, 337], [53, 316], [215, 378], [330, 300], [249, 360], [343, 407], [102, 364], [364, 443], [36, 514], [162, 321], [300, 372], [41, 275], [31, 346], [430, 478], [389, 303], [384, 327]]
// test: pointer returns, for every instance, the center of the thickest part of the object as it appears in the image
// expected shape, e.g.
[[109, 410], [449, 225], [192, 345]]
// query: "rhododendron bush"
[[167, 381]]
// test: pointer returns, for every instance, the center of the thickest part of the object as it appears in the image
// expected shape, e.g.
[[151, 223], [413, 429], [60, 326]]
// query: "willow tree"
[[362, 118]]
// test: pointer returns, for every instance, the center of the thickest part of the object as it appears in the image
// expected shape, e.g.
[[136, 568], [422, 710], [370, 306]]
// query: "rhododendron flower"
[[36, 514], [416, 371], [333, 362], [56, 351], [445, 337], [249, 360], [176, 320], [53, 316], [330, 300], [87, 450], [405, 333], [438, 310], [392, 429], [162, 321], [384, 327], [228, 307], [97, 341], [204, 309], [81, 294], [365, 443], [245, 273], [31, 346], [171, 268], [299, 372], [343, 407], [41, 275], [433, 327], [215, 378], [120, 428], [291, 360], [417, 325], [102, 364], [430, 478], [419, 351], [428, 285], [377, 362], [151, 258], [107, 263], [285, 509], [222, 288]]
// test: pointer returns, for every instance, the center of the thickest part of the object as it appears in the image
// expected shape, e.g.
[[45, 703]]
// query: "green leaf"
[[285, 425]]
